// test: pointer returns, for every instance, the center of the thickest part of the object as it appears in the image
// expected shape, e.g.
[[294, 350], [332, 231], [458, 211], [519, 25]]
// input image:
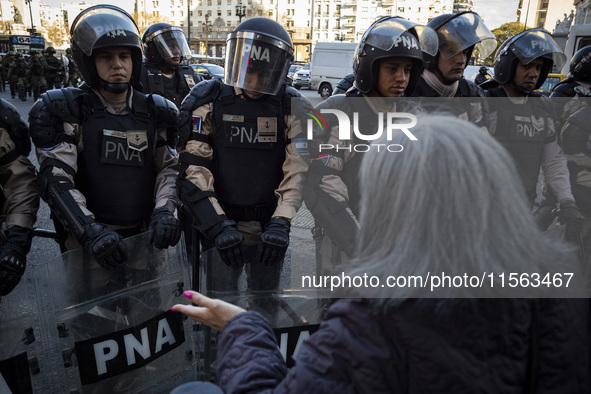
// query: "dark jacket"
[[425, 346]]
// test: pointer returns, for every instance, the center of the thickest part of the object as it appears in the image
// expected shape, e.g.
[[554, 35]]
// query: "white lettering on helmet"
[[408, 42], [257, 53], [116, 33]]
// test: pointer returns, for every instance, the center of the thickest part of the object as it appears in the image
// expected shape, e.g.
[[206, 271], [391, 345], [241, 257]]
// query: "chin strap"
[[115, 88]]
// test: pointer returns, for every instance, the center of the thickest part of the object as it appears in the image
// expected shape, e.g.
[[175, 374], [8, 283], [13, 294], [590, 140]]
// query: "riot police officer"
[[482, 76], [524, 123], [387, 65], [72, 75], [105, 168], [241, 134], [459, 35], [20, 200], [18, 74], [10, 79], [36, 72], [165, 48], [53, 69]]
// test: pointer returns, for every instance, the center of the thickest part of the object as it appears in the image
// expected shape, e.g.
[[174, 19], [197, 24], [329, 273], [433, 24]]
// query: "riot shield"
[[112, 330], [24, 365], [294, 313]]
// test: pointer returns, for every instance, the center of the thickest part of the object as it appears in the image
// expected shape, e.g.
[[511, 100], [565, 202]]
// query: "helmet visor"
[[95, 23], [171, 43], [387, 33], [256, 62], [537, 43], [464, 31]]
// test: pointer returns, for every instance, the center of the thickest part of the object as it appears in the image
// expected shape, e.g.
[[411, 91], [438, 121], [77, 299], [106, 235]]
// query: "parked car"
[[290, 74], [209, 71], [548, 85], [301, 79]]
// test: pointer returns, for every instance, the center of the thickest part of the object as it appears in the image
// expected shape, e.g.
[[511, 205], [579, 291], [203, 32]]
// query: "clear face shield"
[[463, 32], [387, 34], [171, 43], [534, 44], [91, 26], [256, 62]]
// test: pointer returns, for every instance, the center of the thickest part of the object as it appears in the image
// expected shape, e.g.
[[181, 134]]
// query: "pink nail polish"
[[188, 294], [172, 309]]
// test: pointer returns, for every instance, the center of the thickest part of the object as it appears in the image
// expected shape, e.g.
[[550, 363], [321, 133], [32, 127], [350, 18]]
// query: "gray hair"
[[451, 202]]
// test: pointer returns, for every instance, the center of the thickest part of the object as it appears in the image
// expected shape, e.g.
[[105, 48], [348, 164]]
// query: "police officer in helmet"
[[105, 168], [165, 49], [459, 34], [523, 120], [482, 76], [242, 134], [387, 65]]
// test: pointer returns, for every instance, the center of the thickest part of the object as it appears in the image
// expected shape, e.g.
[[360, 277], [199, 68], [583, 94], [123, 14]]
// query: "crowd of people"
[[143, 145]]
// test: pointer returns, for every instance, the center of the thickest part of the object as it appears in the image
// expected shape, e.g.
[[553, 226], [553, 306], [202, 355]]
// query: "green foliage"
[[56, 34], [503, 33]]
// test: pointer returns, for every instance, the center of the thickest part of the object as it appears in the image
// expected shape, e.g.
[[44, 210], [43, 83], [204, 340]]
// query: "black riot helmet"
[[483, 70], [104, 26], [163, 41], [388, 37], [50, 50], [460, 32], [580, 65], [525, 47], [258, 55]]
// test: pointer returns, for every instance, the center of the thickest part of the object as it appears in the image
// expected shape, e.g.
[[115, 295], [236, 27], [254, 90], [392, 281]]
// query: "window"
[[199, 13], [219, 12], [270, 14], [171, 13], [182, 13], [229, 13], [181, 23]]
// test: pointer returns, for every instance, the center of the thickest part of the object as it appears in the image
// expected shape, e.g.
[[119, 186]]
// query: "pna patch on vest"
[[112, 354], [196, 124], [122, 149]]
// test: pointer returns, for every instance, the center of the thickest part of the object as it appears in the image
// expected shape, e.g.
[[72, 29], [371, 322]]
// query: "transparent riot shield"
[[24, 365], [112, 330], [294, 313]]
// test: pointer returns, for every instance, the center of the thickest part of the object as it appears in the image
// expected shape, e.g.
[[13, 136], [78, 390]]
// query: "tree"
[[56, 34], [503, 33], [146, 19], [18, 18]]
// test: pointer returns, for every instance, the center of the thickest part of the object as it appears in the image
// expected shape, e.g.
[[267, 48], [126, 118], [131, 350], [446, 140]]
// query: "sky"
[[496, 12]]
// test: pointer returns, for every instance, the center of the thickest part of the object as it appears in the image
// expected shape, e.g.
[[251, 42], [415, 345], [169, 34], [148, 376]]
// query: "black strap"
[[201, 138], [190, 159], [9, 157], [49, 162], [530, 383]]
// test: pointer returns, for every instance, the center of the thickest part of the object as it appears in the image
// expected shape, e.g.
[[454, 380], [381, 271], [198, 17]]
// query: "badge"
[[113, 133], [137, 140], [233, 118], [196, 124], [538, 123], [301, 145], [267, 129], [190, 81]]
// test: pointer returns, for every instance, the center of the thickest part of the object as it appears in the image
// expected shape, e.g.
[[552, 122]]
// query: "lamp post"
[[32, 30], [206, 28], [240, 11], [8, 27]]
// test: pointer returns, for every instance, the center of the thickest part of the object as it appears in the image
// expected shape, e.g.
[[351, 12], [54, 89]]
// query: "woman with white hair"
[[438, 206]]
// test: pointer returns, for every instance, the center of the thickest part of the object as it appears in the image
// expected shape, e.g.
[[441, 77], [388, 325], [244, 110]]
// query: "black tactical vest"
[[175, 89], [249, 148], [522, 130], [117, 164]]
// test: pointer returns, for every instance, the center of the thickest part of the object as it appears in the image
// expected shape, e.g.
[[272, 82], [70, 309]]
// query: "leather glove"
[[230, 244], [544, 216], [107, 246], [164, 229], [13, 260], [274, 241], [572, 218]]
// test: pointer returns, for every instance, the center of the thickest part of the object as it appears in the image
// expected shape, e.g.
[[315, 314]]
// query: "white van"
[[331, 62]]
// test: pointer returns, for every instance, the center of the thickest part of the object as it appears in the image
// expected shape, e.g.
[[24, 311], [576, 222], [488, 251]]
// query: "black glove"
[[572, 218], [13, 259], [230, 244], [107, 246], [165, 229], [544, 216], [274, 241]]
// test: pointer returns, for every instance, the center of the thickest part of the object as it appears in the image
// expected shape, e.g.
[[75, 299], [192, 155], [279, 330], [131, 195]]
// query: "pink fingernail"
[[188, 294], [172, 309]]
